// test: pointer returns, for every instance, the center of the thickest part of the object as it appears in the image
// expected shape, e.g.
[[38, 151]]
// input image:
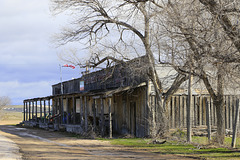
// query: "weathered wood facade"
[[115, 100], [120, 113], [178, 109], [117, 112]]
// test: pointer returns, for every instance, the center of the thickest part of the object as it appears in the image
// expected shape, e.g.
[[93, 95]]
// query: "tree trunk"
[[218, 102], [220, 120], [220, 107], [161, 121]]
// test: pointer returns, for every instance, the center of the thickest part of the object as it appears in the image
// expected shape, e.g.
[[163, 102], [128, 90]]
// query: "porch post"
[[24, 112], [36, 110], [74, 109], [67, 110], [49, 110], [55, 110], [110, 118], [44, 107], [32, 110], [94, 114], [29, 110], [102, 117], [40, 110], [86, 114], [124, 107], [62, 110], [81, 111]]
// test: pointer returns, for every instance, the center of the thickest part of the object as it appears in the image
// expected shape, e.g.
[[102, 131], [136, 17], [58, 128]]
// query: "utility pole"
[[189, 106]]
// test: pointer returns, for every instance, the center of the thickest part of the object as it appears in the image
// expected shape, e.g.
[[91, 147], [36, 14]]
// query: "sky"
[[29, 62]]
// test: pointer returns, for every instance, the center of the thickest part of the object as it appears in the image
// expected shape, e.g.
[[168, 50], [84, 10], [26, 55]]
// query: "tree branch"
[[224, 20], [95, 64]]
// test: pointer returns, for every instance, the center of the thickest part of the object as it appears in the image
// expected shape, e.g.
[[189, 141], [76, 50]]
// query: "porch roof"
[[96, 94]]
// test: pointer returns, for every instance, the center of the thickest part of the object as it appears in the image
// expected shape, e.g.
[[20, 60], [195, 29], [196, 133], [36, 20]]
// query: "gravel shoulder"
[[8, 149]]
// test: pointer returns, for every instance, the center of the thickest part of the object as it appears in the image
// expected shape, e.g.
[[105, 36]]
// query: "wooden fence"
[[177, 110]]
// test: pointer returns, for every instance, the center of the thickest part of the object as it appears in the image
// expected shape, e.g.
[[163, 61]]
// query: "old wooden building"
[[116, 100], [105, 101]]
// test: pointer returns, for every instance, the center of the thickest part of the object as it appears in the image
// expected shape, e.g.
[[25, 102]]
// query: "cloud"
[[28, 63], [25, 32], [22, 7]]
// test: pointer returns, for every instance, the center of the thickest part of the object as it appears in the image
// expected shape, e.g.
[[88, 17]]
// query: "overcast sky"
[[29, 64]]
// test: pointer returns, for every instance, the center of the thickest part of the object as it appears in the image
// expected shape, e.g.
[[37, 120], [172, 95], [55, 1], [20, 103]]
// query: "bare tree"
[[205, 30], [196, 32], [227, 13], [129, 25], [4, 101]]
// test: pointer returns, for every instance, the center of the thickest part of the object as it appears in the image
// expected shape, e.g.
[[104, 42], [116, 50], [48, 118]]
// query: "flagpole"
[[60, 66], [61, 78]]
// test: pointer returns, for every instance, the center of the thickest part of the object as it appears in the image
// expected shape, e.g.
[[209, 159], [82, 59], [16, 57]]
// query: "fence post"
[[235, 125], [230, 112], [208, 120], [173, 111]]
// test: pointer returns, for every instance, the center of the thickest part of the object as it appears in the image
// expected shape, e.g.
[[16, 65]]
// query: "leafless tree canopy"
[[4, 101], [203, 34]]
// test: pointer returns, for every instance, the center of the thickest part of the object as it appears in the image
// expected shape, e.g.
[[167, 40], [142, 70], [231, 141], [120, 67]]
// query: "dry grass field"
[[11, 115]]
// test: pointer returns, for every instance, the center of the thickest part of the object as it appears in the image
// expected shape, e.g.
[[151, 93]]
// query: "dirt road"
[[38, 144]]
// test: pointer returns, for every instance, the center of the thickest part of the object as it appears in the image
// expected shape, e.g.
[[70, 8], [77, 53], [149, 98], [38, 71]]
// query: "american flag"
[[66, 65]]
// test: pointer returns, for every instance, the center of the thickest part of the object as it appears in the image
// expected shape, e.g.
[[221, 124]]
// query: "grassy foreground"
[[198, 148]]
